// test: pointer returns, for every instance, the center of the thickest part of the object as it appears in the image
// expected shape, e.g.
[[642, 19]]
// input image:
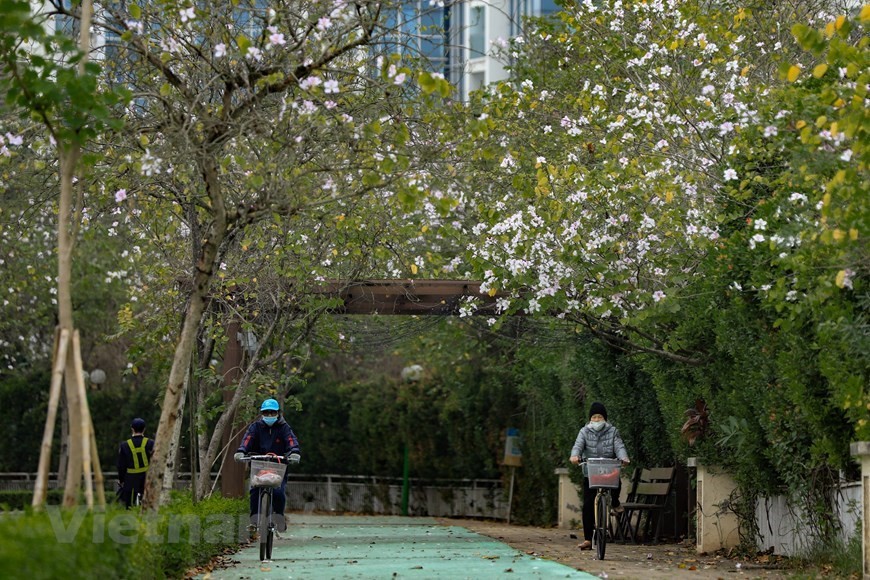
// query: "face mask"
[[597, 426], [269, 420]]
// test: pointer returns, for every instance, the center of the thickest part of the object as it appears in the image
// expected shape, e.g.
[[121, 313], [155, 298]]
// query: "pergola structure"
[[439, 297], [383, 297]]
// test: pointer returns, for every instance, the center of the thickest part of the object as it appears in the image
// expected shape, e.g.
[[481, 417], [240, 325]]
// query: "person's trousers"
[[133, 483], [279, 499], [589, 494]]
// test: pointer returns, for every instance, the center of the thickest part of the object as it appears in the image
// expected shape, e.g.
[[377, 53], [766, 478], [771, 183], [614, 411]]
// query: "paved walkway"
[[384, 547]]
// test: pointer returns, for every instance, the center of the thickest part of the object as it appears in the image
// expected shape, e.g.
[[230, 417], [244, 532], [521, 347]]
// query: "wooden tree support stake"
[[61, 343]]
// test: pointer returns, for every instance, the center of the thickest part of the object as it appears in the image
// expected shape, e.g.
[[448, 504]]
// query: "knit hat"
[[138, 425], [598, 409]]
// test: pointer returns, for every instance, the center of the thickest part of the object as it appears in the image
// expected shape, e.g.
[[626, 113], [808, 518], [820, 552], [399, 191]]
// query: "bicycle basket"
[[603, 472], [267, 473]]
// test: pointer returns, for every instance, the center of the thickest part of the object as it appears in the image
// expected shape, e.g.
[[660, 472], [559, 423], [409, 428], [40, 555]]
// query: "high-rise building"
[[479, 26], [457, 38]]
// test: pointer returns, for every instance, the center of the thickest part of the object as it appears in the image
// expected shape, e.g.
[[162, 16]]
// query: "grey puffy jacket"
[[606, 443]]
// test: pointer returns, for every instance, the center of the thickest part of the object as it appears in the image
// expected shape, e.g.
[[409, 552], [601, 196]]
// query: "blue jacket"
[[261, 438]]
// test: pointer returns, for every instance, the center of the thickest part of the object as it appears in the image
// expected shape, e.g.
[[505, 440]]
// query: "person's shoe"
[[280, 522], [586, 545], [252, 531]]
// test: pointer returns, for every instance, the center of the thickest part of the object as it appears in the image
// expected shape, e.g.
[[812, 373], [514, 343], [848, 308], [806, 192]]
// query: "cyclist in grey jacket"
[[598, 439]]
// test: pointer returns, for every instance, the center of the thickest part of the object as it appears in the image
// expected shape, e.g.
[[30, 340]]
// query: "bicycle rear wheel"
[[601, 518], [263, 518]]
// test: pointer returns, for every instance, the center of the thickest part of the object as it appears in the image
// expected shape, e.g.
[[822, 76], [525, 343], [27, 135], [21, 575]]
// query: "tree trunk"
[[168, 482], [64, 440], [173, 400], [232, 371], [202, 440], [68, 159]]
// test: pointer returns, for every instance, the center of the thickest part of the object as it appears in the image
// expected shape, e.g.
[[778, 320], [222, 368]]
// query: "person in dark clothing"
[[270, 434], [134, 454], [598, 439]]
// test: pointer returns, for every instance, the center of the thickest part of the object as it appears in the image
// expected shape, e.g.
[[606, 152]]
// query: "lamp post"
[[411, 374]]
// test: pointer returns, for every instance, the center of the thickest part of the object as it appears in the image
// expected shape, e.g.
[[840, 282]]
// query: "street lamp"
[[97, 377], [248, 341]]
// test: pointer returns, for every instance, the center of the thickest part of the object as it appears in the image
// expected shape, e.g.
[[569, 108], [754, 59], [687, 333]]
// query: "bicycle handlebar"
[[267, 457]]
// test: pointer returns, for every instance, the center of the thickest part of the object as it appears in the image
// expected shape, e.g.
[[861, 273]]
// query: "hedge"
[[117, 543]]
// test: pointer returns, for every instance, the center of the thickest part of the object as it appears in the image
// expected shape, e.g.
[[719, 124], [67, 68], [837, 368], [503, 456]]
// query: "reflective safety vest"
[[140, 458]]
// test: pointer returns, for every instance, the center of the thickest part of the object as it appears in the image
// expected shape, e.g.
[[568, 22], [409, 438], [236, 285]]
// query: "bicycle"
[[603, 475], [267, 474]]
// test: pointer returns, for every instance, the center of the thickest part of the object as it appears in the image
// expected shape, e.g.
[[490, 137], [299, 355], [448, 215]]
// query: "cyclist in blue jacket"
[[270, 434]]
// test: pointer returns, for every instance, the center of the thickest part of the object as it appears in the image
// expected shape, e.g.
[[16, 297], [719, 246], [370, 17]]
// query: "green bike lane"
[[326, 547]]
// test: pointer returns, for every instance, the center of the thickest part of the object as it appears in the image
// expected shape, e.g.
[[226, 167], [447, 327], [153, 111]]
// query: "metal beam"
[[423, 297]]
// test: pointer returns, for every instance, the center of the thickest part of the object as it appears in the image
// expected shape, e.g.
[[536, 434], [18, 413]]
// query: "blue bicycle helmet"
[[270, 405]]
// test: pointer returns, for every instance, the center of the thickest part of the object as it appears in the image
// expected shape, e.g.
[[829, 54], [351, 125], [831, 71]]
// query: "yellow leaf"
[[820, 70], [826, 200], [829, 30], [834, 129], [865, 13], [744, 71], [339, 218], [334, 252], [413, 268], [839, 235], [669, 196], [840, 21], [853, 234], [801, 124], [424, 229], [841, 278], [492, 291], [675, 45], [821, 121], [793, 73]]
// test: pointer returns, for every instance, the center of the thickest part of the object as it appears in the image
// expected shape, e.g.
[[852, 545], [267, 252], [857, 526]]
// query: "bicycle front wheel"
[[263, 523], [602, 514]]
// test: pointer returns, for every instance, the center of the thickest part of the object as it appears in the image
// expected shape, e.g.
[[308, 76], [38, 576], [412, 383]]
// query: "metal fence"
[[484, 498], [22, 481], [376, 495]]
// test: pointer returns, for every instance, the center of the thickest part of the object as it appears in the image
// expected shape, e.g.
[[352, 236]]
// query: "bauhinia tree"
[[683, 180], [244, 115]]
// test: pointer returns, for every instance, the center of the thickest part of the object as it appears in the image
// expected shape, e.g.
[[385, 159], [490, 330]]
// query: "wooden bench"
[[645, 503]]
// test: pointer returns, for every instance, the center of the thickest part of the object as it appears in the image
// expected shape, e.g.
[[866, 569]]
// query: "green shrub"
[[13, 500], [76, 543]]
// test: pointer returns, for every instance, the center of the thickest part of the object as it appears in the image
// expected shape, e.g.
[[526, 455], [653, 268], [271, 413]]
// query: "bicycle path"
[[334, 547]]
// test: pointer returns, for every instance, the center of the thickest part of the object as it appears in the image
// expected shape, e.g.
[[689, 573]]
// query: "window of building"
[[477, 32]]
